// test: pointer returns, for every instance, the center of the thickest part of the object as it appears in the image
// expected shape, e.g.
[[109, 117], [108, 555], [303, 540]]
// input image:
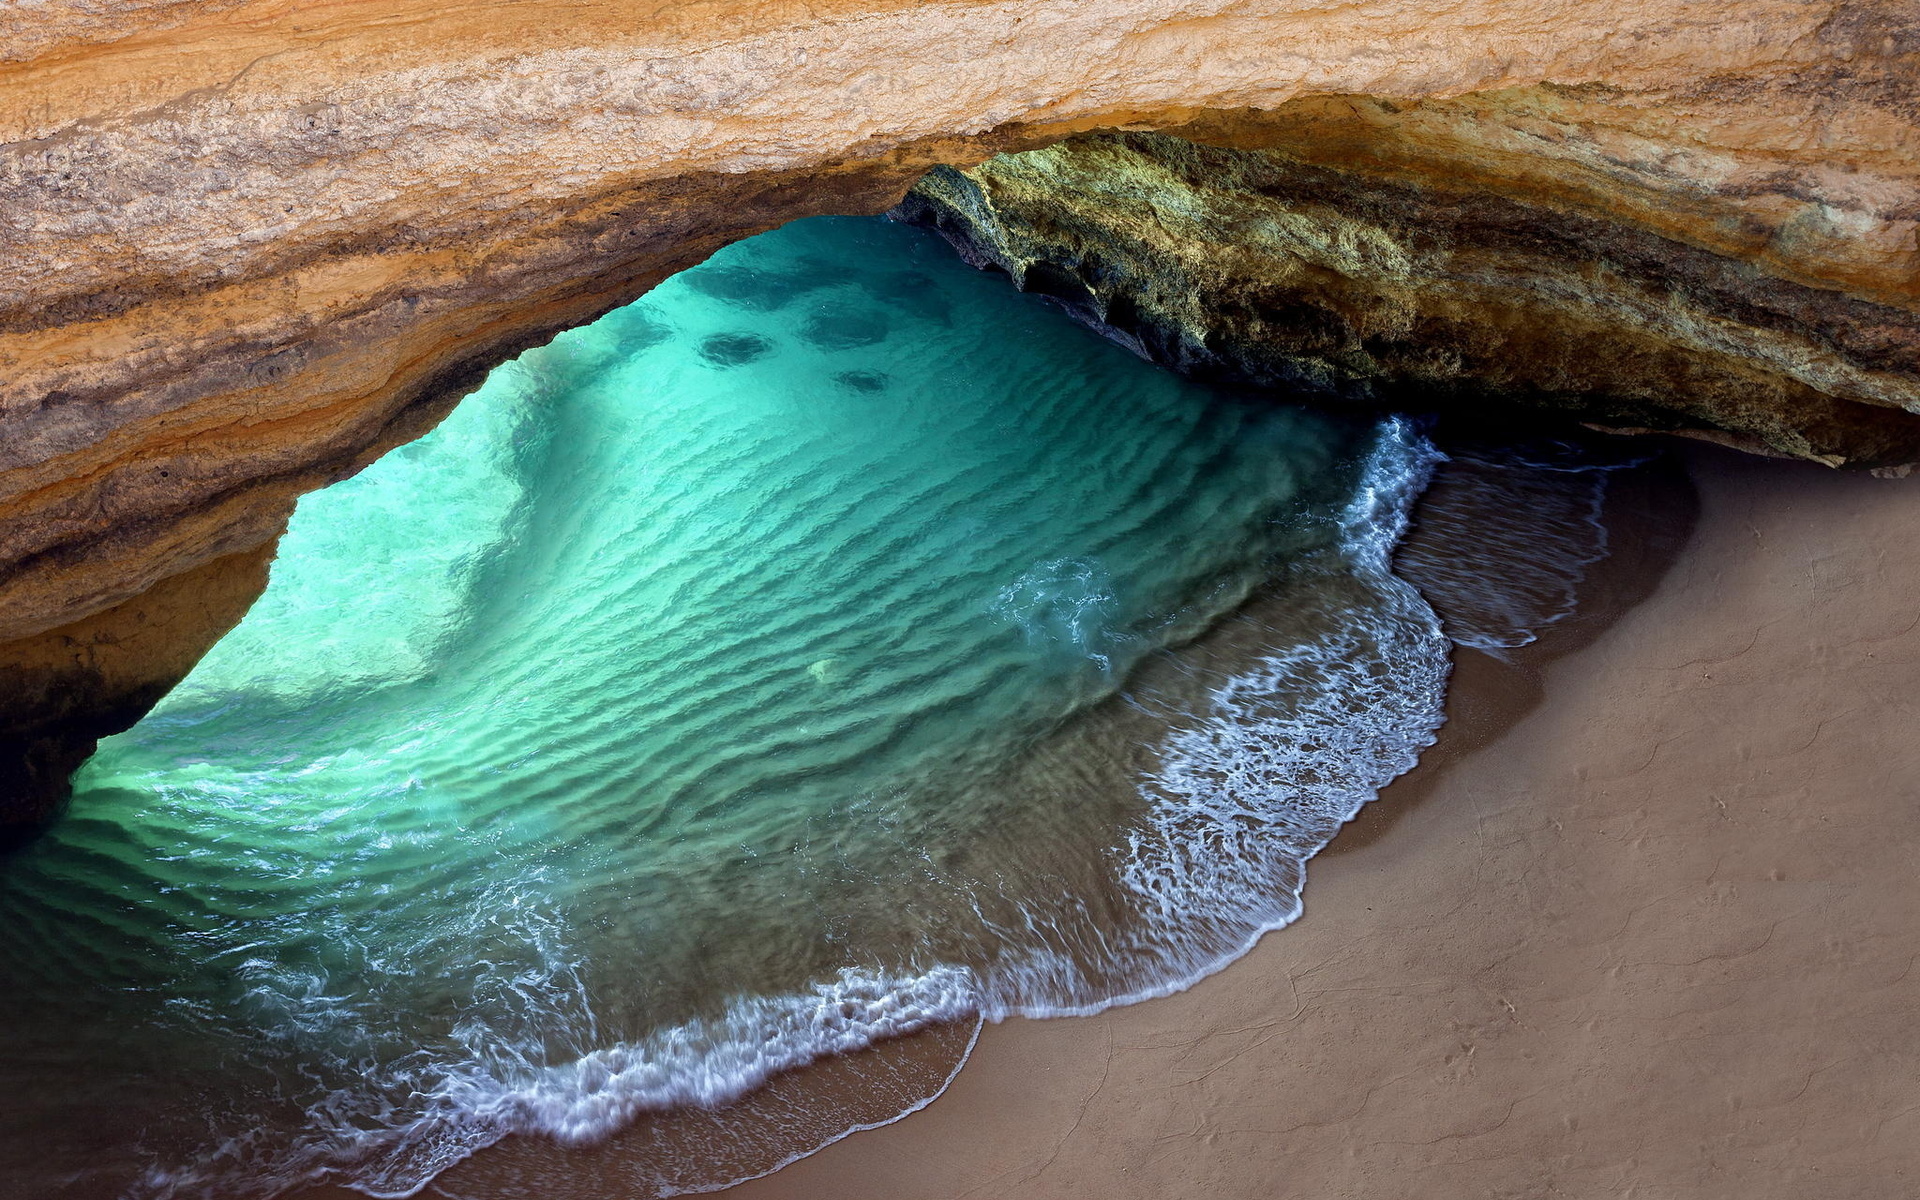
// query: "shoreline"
[[838, 1096], [803, 1101], [1605, 937]]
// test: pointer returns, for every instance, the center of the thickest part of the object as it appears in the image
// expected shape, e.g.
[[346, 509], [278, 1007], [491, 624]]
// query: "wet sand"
[[1645, 924]]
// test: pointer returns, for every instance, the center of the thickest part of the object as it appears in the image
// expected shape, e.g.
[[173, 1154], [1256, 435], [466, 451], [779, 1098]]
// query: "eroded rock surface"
[[246, 245], [1365, 250]]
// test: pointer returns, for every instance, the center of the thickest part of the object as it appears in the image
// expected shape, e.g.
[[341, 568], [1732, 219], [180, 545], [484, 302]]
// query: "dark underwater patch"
[[839, 326], [636, 327], [916, 293], [752, 289], [734, 349], [862, 381]]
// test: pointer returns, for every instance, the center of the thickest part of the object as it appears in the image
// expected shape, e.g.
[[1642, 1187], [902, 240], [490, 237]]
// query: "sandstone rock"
[[70, 686], [1368, 252]]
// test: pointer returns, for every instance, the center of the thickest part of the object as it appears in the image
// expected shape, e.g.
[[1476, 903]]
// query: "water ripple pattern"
[[832, 645]]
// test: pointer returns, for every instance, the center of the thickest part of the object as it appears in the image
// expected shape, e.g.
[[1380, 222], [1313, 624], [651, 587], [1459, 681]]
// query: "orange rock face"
[[247, 245]]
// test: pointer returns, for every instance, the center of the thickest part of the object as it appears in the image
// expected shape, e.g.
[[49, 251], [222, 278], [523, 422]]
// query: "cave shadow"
[[1650, 513]]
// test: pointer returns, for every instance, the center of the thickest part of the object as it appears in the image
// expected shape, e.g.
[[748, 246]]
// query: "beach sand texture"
[[1645, 924]]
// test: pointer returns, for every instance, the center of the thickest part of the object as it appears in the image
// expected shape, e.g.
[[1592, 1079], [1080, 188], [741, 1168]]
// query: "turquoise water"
[[832, 645]]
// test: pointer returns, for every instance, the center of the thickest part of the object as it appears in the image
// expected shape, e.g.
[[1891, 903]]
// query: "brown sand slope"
[[1658, 939]]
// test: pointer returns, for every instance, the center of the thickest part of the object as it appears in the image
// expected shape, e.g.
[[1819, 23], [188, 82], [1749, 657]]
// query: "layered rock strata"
[[1359, 250], [246, 245]]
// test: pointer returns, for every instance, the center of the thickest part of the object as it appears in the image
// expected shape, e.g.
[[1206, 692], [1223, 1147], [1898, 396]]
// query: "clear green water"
[[825, 647]]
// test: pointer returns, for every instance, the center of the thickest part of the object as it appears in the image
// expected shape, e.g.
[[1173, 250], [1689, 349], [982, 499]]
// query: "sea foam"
[[785, 718], [1245, 791]]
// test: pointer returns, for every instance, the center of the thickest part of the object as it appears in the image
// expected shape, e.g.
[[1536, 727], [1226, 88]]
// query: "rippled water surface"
[[832, 645]]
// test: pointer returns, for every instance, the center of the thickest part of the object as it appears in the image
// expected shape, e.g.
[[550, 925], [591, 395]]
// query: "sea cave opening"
[[832, 646]]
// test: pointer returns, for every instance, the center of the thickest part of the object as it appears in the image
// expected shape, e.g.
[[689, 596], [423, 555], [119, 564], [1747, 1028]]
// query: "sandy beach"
[[1645, 925]]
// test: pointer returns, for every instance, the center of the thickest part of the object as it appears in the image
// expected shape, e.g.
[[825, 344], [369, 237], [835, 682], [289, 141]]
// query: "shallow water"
[[832, 645]]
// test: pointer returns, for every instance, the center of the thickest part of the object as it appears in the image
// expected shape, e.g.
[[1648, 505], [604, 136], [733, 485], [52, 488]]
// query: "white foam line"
[[710, 1064], [703, 1064], [1228, 806], [1203, 869]]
